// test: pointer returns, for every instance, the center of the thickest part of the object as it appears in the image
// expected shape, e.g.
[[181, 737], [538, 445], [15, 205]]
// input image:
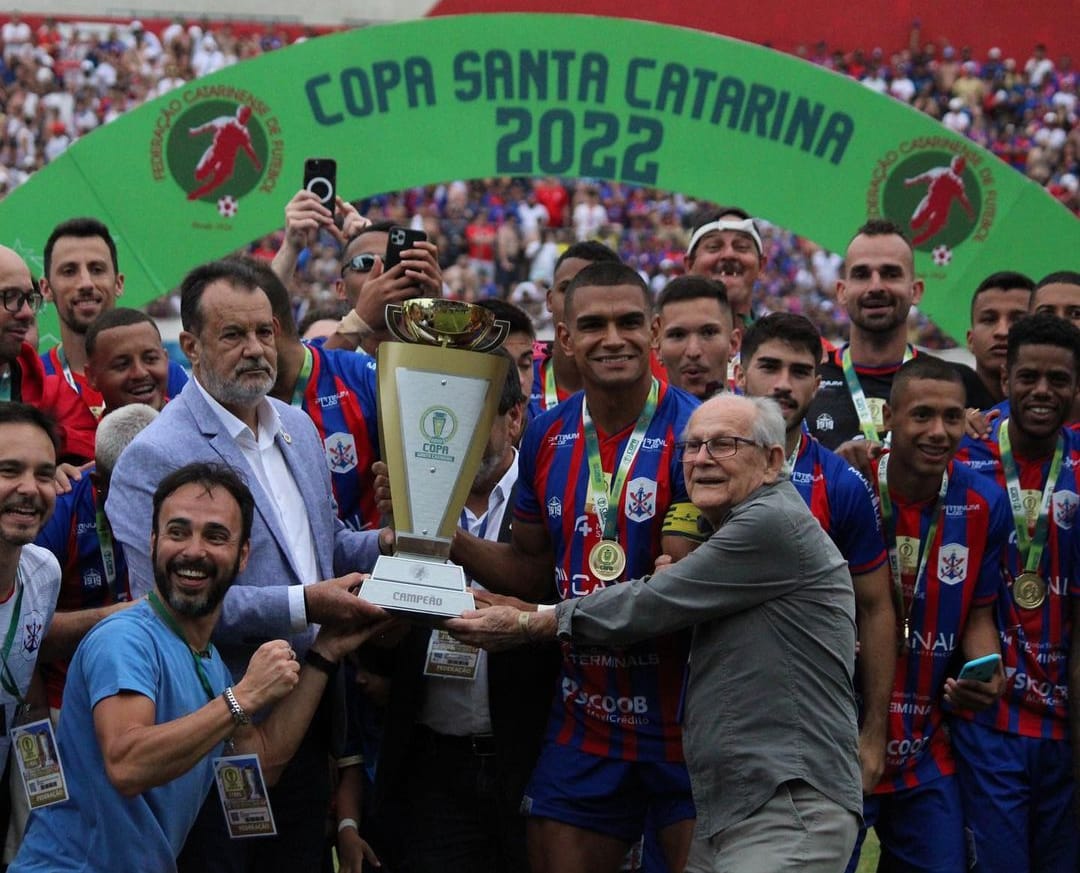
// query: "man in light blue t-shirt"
[[149, 702]]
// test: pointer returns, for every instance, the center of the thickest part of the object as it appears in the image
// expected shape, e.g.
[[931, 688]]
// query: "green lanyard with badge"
[[607, 559], [551, 393], [858, 396], [239, 777], [1029, 588], [926, 545], [36, 753]]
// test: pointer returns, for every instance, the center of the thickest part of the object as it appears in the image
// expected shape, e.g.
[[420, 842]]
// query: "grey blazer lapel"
[[308, 480], [226, 448]]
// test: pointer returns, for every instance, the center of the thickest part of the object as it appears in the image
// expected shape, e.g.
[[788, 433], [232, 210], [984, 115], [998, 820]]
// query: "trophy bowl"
[[446, 323]]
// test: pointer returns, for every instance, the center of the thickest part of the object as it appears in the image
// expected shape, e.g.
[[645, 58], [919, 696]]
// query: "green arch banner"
[[207, 168]]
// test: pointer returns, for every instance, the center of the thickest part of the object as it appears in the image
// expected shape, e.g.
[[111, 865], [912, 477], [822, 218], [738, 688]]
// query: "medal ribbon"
[[551, 393], [170, 623], [65, 368], [7, 678], [302, 378], [795, 454], [925, 546], [1030, 539], [602, 497], [858, 396]]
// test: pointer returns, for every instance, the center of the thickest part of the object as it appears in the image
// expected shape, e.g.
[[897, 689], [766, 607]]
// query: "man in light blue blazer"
[[298, 545]]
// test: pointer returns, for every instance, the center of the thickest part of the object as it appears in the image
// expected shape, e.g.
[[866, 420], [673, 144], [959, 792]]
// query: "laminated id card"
[[40, 769], [243, 796]]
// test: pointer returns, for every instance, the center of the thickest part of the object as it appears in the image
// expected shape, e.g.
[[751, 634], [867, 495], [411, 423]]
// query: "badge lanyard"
[[108, 553], [1030, 538], [858, 396], [602, 497], [302, 378], [7, 678], [5, 383], [171, 624], [894, 556]]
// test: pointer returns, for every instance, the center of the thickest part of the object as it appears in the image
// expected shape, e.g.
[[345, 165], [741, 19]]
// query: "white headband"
[[745, 225]]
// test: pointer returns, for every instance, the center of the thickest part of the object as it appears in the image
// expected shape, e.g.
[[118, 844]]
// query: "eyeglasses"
[[717, 448], [360, 263], [14, 298]]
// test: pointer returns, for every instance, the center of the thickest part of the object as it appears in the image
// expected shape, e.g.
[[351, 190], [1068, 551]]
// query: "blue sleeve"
[[527, 507], [997, 541], [119, 657], [54, 535], [856, 523]]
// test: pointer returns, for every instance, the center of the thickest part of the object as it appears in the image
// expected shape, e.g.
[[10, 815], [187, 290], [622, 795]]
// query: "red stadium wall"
[[1014, 27]]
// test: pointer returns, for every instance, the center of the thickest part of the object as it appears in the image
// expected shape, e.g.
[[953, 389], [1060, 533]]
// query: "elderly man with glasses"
[[770, 727], [22, 375]]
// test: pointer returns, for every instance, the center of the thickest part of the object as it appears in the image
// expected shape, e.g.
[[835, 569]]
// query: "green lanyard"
[[171, 624], [551, 393], [925, 546], [5, 383], [7, 678], [302, 378], [794, 459], [602, 497], [1030, 539], [858, 396]]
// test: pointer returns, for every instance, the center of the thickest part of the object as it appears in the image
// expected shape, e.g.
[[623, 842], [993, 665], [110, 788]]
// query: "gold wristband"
[[352, 323], [523, 623]]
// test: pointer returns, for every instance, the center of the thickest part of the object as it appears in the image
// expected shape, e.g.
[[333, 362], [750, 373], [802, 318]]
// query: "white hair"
[[116, 431]]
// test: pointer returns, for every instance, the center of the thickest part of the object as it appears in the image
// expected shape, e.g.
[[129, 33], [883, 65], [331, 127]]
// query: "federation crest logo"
[[554, 508], [340, 452], [952, 564], [218, 145], [939, 190], [640, 502], [824, 422], [32, 630], [91, 579], [1064, 504]]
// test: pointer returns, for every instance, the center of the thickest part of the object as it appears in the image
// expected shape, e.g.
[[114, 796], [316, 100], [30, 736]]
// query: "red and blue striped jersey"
[[71, 535], [614, 703], [963, 570], [1035, 642], [843, 503], [340, 397], [92, 397]]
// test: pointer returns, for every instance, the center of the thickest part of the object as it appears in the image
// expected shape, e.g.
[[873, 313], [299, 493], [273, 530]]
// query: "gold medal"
[[1029, 591], [607, 560]]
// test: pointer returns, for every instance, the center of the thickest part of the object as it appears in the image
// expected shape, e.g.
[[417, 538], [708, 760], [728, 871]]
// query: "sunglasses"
[[359, 263]]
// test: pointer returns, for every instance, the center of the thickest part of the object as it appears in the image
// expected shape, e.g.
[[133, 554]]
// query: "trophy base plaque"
[[419, 587]]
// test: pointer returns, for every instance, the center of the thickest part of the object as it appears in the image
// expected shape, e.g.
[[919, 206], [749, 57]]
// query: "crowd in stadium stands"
[[59, 82]]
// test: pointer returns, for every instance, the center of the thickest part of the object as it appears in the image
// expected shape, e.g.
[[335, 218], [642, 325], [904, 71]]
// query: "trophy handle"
[[394, 323], [493, 338]]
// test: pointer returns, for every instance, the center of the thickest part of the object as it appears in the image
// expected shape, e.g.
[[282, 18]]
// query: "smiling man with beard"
[[877, 289], [29, 574], [224, 415], [150, 703]]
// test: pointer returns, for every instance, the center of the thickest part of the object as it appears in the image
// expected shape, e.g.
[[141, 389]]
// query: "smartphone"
[[400, 239], [320, 178], [981, 669]]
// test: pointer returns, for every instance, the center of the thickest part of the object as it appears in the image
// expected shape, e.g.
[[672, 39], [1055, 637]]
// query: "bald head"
[[14, 280]]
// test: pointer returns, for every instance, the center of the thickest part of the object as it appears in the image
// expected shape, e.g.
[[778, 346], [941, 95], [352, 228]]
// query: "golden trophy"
[[438, 395]]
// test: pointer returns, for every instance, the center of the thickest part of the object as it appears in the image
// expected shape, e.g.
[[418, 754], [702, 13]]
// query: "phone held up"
[[320, 178], [400, 239]]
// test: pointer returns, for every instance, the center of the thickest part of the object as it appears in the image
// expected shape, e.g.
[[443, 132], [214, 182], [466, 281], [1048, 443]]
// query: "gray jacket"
[[770, 695]]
